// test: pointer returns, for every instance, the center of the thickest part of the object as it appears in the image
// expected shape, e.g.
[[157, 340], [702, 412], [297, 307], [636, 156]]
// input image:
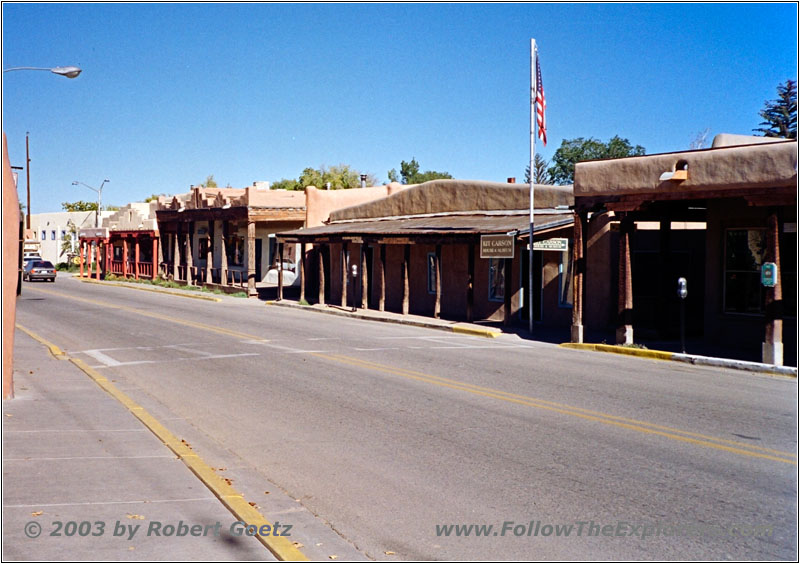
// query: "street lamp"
[[99, 198], [69, 72]]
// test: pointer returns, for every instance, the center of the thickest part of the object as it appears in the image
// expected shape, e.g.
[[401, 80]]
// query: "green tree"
[[79, 206], [541, 174], [577, 150], [340, 177], [410, 174], [210, 182], [780, 115], [153, 197]]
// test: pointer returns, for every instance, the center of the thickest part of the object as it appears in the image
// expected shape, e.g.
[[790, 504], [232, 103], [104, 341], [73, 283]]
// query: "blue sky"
[[171, 93]]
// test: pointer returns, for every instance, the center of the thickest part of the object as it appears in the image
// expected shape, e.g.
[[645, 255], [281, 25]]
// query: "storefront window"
[[431, 273], [497, 280], [744, 254], [234, 248]]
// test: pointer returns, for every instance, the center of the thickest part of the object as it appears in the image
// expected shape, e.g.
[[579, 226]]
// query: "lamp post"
[[99, 198], [69, 72]]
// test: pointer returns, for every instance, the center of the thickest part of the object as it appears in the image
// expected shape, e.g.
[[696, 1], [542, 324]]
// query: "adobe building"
[[721, 215], [418, 251], [126, 244]]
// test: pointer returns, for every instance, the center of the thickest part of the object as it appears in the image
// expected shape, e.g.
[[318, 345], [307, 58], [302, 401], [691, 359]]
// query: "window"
[[44, 235], [431, 273], [63, 234], [234, 249], [497, 280], [53, 235], [565, 279], [744, 253]]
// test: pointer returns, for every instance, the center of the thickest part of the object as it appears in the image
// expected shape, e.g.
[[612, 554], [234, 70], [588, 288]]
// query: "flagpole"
[[533, 152]]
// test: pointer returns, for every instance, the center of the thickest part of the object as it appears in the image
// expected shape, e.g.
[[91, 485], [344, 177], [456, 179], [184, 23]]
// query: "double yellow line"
[[645, 427], [586, 414]]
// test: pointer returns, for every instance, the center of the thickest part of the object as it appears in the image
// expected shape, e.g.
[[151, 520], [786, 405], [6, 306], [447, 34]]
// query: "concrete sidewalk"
[[83, 479]]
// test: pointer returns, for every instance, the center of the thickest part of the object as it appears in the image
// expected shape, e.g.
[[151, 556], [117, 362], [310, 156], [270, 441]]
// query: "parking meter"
[[682, 293]]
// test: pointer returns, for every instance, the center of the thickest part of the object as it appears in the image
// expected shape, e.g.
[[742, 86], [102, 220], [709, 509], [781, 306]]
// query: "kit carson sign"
[[497, 246]]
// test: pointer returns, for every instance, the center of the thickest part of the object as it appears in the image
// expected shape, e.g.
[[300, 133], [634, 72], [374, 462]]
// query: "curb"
[[133, 287], [234, 501], [462, 329], [687, 358]]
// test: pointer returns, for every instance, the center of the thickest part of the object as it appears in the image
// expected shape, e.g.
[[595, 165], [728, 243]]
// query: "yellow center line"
[[586, 414]]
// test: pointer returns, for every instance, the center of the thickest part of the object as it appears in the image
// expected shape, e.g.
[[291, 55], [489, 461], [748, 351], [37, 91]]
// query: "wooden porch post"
[[280, 271], [301, 272], [136, 257], [321, 274], [125, 257], [364, 278], [89, 258], [578, 273], [223, 260], [176, 257], [382, 278], [470, 280], [80, 255], [210, 254], [344, 274], [406, 260], [772, 348], [109, 249], [437, 306], [99, 261], [251, 258], [156, 257], [625, 300], [189, 258], [507, 290]]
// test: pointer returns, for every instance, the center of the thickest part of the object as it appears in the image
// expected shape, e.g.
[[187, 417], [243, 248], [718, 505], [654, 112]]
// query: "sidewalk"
[[73, 454]]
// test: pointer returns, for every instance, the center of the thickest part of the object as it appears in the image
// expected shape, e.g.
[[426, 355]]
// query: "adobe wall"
[[11, 226], [320, 203]]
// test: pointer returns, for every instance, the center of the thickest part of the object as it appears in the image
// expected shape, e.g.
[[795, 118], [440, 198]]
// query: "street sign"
[[497, 246], [558, 244], [769, 274]]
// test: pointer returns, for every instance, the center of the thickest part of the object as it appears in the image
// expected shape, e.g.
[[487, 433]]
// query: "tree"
[[577, 150], [210, 182], [780, 116], [410, 174], [340, 177], [541, 175], [699, 141], [79, 206]]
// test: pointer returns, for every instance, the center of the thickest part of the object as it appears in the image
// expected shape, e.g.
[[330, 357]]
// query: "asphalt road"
[[391, 434]]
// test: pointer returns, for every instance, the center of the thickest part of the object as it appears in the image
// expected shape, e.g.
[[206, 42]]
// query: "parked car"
[[27, 257], [39, 270]]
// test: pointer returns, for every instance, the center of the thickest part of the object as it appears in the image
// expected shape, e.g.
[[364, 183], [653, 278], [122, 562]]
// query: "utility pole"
[[28, 181]]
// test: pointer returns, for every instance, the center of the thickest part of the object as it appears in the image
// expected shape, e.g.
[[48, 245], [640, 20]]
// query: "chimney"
[[363, 180], [512, 180]]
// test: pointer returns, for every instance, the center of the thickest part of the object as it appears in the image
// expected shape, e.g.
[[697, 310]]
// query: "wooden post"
[[89, 258], [210, 255], [578, 273], [625, 290], [80, 255], [99, 261], [382, 278], [772, 348], [136, 257], [301, 272], [108, 249], [156, 257], [344, 273], [176, 257], [223, 260], [406, 293], [321, 274], [507, 290], [437, 306], [470, 280], [189, 258], [125, 258], [364, 278], [251, 258], [280, 271]]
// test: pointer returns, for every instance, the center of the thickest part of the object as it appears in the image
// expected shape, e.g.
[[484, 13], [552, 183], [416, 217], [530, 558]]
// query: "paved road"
[[387, 432]]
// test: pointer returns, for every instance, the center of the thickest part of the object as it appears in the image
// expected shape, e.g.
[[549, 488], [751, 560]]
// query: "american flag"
[[541, 105]]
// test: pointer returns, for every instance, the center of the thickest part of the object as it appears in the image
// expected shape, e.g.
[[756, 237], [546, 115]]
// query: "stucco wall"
[[11, 225], [320, 203], [727, 168]]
